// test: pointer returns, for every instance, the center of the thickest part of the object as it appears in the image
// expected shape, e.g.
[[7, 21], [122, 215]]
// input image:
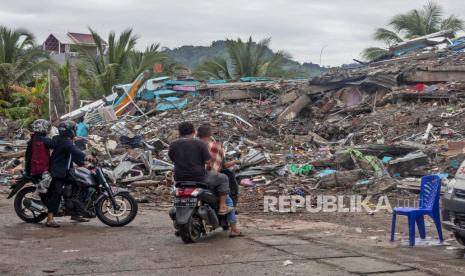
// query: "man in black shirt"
[[190, 156]]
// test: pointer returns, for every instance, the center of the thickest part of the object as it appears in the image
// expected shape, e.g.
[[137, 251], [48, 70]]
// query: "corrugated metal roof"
[[63, 38], [80, 38]]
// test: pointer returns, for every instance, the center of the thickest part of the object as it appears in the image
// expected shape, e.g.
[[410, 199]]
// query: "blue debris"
[[155, 94], [171, 103], [254, 79], [181, 82], [216, 81], [442, 175], [364, 182], [386, 159], [326, 172], [455, 164]]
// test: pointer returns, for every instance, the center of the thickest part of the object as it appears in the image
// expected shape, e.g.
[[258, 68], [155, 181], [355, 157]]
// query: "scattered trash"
[[303, 169], [325, 173], [287, 263], [71, 250]]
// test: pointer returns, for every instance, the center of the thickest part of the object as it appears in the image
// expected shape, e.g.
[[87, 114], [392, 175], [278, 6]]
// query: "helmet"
[[67, 129], [41, 126]]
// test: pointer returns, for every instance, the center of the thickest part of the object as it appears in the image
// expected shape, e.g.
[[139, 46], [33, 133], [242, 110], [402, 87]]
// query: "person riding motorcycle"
[[37, 156], [190, 157], [65, 153], [218, 164]]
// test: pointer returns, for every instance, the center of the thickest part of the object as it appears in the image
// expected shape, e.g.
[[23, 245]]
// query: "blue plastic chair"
[[430, 191]]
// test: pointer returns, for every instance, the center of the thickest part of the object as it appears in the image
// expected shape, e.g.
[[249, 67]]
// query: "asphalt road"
[[148, 247]]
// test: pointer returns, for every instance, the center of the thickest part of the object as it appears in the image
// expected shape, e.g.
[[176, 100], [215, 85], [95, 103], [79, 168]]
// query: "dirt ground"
[[274, 244]]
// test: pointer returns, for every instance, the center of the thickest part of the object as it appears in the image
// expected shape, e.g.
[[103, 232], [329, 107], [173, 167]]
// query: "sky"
[[301, 27]]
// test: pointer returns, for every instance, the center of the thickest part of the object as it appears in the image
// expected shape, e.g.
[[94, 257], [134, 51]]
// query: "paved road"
[[148, 247]]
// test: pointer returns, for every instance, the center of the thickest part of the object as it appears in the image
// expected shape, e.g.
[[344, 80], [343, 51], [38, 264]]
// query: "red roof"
[[83, 38]]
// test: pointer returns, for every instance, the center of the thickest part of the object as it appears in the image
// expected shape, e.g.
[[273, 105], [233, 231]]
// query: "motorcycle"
[[87, 193], [195, 211]]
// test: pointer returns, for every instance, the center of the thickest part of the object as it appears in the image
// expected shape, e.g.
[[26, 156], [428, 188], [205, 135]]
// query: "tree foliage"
[[19, 58], [245, 58], [417, 22], [118, 62]]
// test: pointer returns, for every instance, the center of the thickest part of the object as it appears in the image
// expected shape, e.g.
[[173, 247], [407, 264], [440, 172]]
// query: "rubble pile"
[[369, 128]]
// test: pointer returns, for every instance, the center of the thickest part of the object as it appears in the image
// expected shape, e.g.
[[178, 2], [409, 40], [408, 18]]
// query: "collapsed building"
[[372, 128]]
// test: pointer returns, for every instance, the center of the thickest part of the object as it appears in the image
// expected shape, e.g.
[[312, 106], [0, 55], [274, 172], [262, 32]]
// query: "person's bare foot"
[[52, 224], [237, 233]]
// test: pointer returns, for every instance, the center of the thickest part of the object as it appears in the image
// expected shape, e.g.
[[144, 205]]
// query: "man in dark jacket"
[[65, 153]]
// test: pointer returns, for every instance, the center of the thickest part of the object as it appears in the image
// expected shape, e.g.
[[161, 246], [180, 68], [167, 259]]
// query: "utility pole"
[[321, 52]]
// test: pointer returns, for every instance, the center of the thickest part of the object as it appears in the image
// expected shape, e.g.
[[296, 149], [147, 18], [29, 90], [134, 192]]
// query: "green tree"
[[427, 20], [119, 62], [139, 61], [245, 59], [19, 59], [88, 87]]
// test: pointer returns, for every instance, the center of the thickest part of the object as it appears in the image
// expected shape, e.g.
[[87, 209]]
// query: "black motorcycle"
[[87, 193], [195, 211]]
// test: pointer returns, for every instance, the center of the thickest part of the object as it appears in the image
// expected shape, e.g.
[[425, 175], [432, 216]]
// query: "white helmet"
[[41, 126]]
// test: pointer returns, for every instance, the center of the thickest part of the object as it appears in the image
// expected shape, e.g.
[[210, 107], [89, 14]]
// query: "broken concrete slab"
[[235, 95], [437, 74], [341, 178], [288, 97], [403, 165], [294, 109]]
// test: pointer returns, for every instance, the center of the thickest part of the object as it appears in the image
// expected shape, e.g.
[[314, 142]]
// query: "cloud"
[[302, 27]]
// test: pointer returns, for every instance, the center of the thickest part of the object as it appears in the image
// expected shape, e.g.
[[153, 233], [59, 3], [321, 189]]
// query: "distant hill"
[[194, 55]]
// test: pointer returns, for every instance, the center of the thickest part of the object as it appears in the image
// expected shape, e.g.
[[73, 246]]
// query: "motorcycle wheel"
[[117, 218], [191, 231], [22, 211], [460, 239]]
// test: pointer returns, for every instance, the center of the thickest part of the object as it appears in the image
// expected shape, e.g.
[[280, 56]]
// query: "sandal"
[[52, 224], [236, 235], [229, 210]]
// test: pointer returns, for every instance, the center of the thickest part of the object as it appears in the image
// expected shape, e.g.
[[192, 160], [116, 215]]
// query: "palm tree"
[[214, 68], [120, 62], [139, 61], [244, 58], [429, 19], [19, 58]]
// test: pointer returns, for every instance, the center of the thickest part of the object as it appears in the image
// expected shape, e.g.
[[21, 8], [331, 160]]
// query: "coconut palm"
[[214, 68], [118, 62], [244, 58], [19, 58], [427, 20], [139, 61]]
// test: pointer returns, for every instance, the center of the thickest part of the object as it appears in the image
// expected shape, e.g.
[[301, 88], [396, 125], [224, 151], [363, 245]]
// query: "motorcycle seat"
[[181, 184]]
